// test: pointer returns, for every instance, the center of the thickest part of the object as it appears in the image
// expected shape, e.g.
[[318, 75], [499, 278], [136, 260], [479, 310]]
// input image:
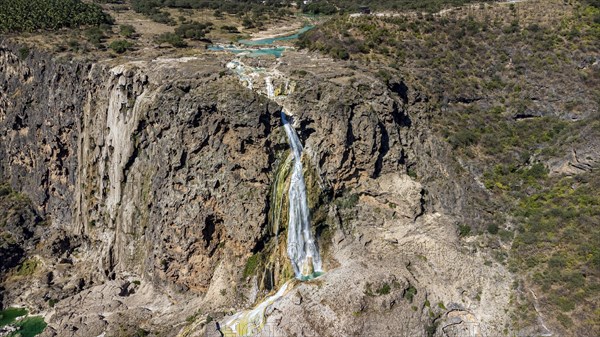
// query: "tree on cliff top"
[[32, 15]]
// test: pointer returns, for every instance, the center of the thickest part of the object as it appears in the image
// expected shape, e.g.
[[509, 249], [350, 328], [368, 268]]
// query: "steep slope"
[[509, 101]]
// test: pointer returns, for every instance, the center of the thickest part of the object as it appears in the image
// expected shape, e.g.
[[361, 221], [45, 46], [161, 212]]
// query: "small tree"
[[193, 30], [172, 39], [127, 31], [120, 46]]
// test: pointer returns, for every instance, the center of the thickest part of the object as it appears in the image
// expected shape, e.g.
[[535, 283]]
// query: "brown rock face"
[[160, 173]]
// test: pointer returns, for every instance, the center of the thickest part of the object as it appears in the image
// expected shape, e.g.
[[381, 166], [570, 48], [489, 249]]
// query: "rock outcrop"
[[159, 173]]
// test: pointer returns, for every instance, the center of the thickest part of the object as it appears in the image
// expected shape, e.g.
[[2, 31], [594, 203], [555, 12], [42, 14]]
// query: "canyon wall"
[[160, 172]]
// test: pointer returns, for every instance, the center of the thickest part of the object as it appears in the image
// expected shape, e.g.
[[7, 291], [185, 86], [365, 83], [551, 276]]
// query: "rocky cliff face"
[[159, 173]]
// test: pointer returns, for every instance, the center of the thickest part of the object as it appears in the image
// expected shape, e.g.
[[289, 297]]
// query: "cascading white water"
[[301, 247]]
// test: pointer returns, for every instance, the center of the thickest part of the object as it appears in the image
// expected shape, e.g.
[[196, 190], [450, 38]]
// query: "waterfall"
[[301, 247], [270, 90]]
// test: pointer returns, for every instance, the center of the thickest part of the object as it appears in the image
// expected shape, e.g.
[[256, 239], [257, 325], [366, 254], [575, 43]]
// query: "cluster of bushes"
[[32, 15], [151, 8], [120, 46], [173, 39], [490, 75], [351, 6], [258, 8], [557, 244], [230, 29], [233, 7], [191, 30]]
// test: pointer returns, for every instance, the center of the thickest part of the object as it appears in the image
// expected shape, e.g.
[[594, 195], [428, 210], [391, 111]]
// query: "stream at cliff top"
[[302, 250], [271, 40], [256, 52]]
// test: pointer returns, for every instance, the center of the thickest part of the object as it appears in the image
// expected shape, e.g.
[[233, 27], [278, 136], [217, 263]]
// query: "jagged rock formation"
[[159, 172]]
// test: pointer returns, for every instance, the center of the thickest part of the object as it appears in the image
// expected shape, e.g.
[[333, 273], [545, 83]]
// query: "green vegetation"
[[172, 39], [52, 302], [29, 327], [557, 243], [431, 329], [254, 12], [192, 318], [193, 30], [220, 7], [32, 15], [410, 293], [9, 315], [328, 7], [190, 30], [120, 46], [384, 289], [252, 264], [348, 201], [28, 267], [464, 230], [460, 57], [95, 35], [23, 53], [230, 29], [127, 31], [152, 10]]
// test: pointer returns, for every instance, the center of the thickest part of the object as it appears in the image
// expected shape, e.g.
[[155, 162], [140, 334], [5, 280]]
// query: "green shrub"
[[492, 228], [95, 35], [120, 46], [127, 31], [193, 30], [565, 320], [565, 304], [463, 138], [230, 29], [410, 293], [23, 53], [252, 264], [384, 289], [172, 39], [347, 202], [28, 267], [430, 330], [464, 230]]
